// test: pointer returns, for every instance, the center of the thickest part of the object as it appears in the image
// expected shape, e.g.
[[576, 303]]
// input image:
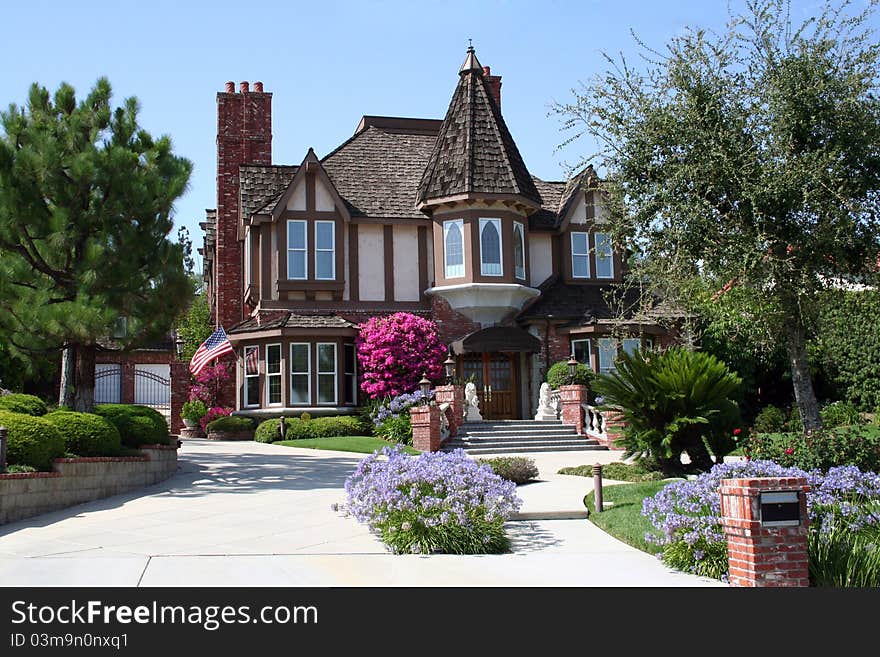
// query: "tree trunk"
[[65, 392], [804, 395], [84, 379]]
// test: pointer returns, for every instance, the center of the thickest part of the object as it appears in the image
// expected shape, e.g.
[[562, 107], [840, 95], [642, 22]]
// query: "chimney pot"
[[243, 87], [230, 87], [258, 87], [487, 70]]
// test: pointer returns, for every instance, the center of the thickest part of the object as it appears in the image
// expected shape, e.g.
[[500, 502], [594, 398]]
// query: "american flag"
[[214, 347]]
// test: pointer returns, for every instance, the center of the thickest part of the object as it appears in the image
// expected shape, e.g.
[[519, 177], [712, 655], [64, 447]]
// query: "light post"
[[449, 364], [178, 346], [425, 387], [572, 369]]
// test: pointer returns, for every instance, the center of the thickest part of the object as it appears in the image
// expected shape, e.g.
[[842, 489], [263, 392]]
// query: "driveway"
[[251, 514]]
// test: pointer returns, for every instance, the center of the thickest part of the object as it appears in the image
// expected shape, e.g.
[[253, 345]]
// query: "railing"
[[444, 422], [556, 402], [594, 422]]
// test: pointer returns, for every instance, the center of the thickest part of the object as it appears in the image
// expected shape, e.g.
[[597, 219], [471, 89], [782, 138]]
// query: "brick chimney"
[[244, 136], [494, 84]]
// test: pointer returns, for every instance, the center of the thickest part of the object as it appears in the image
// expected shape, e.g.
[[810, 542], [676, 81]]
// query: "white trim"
[[246, 376], [589, 362], [497, 224], [247, 259], [305, 249], [517, 272], [457, 270], [331, 251], [279, 374], [319, 373], [307, 373], [585, 254], [610, 254]]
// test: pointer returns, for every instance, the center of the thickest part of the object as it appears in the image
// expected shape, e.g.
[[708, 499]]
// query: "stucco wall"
[[298, 198], [371, 263], [406, 263], [323, 200], [540, 257]]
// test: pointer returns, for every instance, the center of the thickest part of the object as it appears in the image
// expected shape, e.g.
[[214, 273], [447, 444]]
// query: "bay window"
[[252, 376], [519, 250], [326, 372], [273, 374], [300, 373], [490, 247], [453, 248]]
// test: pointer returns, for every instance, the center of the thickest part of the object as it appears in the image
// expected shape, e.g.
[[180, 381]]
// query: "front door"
[[493, 375]]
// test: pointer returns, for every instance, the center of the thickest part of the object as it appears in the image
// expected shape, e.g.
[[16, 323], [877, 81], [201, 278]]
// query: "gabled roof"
[[474, 151], [292, 320], [260, 184], [309, 163]]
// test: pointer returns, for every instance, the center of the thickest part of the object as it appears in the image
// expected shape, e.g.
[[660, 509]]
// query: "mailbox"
[[781, 509]]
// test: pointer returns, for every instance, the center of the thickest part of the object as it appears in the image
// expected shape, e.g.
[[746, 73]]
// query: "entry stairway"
[[510, 436]]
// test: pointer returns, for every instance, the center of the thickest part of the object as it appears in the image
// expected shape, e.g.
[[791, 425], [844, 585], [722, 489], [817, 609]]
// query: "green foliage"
[[19, 469], [306, 416], [557, 375], [396, 428], [137, 425], [642, 470], [195, 325], [231, 423], [86, 434], [856, 445], [31, 440], [680, 555], [518, 469], [194, 410], [622, 517], [840, 414], [674, 401], [20, 403], [770, 420], [268, 431], [320, 427], [841, 557], [356, 444]]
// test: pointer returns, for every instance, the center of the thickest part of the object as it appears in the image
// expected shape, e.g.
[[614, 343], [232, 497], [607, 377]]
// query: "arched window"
[[490, 247], [519, 250], [453, 243]]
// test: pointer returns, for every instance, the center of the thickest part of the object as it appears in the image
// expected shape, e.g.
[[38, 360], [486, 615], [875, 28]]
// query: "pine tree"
[[86, 198]]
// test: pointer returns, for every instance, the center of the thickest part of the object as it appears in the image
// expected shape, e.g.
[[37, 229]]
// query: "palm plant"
[[673, 401]]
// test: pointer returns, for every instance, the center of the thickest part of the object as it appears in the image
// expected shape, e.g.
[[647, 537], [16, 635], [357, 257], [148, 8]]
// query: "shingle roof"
[[474, 151], [292, 320], [587, 303], [551, 194], [259, 184]]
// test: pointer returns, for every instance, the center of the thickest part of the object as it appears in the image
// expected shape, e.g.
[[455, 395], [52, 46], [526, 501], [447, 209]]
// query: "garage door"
[[152, 385], [108, 383]]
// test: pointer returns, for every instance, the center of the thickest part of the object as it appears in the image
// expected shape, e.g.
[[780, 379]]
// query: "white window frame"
[[638, 342], [331, 251], [307, 373], [305, 249], [345, 347], [607, 367], [485, 221], [247, 260], [519, 270], [320, 373], [245, 376], [454, 270], [589, 362], [610, 254], [585, 254], [279, 374]]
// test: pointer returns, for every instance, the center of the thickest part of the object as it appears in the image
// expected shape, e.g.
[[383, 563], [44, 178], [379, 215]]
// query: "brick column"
[[425, 427], [126, 383], [572, 397], [180, 379], [614, 424], [454, 395], [760, 554]]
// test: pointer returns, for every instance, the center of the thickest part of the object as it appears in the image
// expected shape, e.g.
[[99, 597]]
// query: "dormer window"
[[297, 245], [325, 250], [490, 247], [519, 250], [604, 256], [580, 255], [453, 247]]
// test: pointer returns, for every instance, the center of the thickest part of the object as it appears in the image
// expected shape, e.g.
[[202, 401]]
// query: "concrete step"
[[519, 437], [534, 448], [465, 444], [509, 424], [558, 431]]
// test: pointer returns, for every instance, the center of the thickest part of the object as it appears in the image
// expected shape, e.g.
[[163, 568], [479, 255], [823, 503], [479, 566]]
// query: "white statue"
[[472, 403], [546, 411]]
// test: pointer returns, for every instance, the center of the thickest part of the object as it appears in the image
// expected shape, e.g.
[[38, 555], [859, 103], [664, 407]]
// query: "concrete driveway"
[[250, 514]]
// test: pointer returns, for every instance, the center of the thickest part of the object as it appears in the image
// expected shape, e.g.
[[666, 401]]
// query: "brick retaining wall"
[[75, 481]]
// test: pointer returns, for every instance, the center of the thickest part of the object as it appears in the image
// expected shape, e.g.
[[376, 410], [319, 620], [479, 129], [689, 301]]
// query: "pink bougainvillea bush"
[[212, 414], [395, 351], [209, 382]]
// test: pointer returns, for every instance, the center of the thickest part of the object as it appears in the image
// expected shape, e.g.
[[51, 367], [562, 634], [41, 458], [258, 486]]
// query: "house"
[[441, 218]]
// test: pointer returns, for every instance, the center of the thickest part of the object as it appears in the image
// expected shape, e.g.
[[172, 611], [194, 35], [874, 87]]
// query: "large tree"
[[86, 198], [749, 157]]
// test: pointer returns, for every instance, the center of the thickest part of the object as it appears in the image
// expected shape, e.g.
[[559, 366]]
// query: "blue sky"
[[330, 62]]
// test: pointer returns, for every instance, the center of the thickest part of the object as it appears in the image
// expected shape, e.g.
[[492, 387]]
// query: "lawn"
[[624, 520], [360, 444]]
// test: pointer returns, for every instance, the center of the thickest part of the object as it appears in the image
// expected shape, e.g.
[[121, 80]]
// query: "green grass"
[[359, 444], [624, 520]]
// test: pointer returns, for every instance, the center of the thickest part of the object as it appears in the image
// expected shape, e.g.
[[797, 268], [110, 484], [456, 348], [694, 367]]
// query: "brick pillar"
[[425, 427], [126, 384], [180, 379], [572, 397], [760, 554], [614, 424], [454, 395]]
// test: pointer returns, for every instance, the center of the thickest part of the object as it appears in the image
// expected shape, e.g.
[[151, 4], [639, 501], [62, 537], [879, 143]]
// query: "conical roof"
[[475, 152]]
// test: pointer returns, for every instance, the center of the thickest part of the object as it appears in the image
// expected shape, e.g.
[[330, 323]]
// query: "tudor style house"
[[437, 218]]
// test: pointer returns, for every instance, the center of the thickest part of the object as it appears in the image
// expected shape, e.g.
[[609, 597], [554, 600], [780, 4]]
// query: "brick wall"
[[452, 325]]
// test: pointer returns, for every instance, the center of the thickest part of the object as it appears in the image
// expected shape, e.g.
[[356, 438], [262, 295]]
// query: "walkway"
[[254, 514]]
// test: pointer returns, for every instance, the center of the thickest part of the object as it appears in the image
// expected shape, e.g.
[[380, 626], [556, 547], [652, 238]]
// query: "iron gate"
[[152, 390]]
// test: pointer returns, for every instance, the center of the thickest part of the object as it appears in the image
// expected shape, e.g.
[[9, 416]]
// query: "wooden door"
[[493, 375]]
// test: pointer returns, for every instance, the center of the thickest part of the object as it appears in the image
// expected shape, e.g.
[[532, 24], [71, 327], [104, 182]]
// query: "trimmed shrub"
[[340, 425], [231, 423], [857, 445], [86, 434], [771, 419], [213, 413], [557, 375], [21, 403], [268, 431], [194, 410], [517, 469], [31, 440], [617, 471], [137, 425], [840, 414]]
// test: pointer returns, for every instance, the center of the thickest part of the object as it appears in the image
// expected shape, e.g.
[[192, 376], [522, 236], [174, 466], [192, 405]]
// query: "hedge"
[[557, 375], [320, 427], [30, 440], [230, 423], [86, 434], [855, 445], [137, 425], [20, 403]]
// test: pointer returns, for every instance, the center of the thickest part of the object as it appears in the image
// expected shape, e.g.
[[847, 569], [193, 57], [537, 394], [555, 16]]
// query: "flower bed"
[[436, 502]]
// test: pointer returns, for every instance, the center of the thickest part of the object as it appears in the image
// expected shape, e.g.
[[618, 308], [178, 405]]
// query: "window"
[[350, 374], [631, 345], [519, 250], [580, 255], [604, 256], [297, 245], [273, 374], [325, 250], [607, 354], [326, 372], [490, 247], [453, 240], [581, 351], [300, 374], [252, 376]]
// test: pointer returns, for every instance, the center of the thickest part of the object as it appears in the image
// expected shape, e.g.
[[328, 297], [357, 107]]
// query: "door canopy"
[[497, 338]]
